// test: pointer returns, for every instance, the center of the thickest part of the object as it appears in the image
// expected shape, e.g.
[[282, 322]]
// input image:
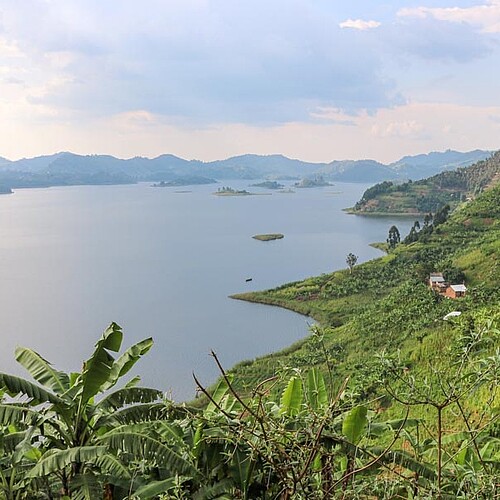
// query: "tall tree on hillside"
[[351, 261], [394, 237], [441, 215]]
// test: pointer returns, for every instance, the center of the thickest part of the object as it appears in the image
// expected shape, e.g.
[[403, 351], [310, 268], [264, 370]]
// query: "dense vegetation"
[[429, 195], [317, 181], [229, 191], [385, 399]]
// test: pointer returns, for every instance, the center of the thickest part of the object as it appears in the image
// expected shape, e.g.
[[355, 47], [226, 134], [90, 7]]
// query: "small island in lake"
[[191, 180], [229, 191], [269, 185], [268, 237], [318, 181]]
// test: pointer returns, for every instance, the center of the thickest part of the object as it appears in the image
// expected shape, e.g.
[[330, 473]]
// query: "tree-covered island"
[[317, 181], [229, 191]]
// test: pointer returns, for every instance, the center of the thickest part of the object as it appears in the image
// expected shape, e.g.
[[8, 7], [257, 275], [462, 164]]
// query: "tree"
[[428, 219], [394, 237], [413, 234], [441, 215], [74, 433], [351, 261]]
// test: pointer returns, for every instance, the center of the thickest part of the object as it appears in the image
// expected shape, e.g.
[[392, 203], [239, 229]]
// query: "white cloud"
[[199, 60], [486, 16], [359, 24], [400, 129], [135, 120], [9, 49]]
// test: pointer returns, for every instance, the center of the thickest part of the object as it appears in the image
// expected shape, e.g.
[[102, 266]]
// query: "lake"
[[162, 263]]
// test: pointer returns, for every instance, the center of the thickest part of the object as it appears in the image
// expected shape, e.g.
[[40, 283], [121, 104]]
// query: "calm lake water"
[[162, 263]]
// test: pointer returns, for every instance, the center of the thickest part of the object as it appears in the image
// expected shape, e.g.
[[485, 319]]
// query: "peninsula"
[[450, 187], [192, 180]]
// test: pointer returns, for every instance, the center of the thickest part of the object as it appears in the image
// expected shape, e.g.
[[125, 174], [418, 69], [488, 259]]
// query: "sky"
[[318, 80]]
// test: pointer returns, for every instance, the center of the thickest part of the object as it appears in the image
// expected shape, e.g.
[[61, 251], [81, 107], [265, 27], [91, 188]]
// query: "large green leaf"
[[127, 360], [141, 442], [10, 413], [15, 386], [42, 371], [134, 414], [170, 432], [354, 424], [316, 389], [57, 460], [491, 450], [115, 470], [155, 488], [97, 369], [405, 460], [86, 487], [220, 391], [291, 399], [241, 469], [10, 441], [129, 395], [222, 490]]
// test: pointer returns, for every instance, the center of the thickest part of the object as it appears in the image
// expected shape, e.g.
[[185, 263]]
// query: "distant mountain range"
[[72, 169]]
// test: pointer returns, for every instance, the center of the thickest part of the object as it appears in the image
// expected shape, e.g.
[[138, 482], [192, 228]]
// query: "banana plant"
[[68, 418]]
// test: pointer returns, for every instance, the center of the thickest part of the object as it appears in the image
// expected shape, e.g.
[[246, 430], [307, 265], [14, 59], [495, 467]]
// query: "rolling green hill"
[[428, 195], [386, 305]]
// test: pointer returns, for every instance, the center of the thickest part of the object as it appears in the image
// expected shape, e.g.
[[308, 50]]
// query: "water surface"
[[162, 263]]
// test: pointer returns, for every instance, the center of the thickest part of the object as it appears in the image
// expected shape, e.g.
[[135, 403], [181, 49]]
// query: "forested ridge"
[[428, 195], [384, 399]]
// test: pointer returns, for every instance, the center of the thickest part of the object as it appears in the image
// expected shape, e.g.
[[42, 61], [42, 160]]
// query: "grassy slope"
[[430, 194], [385, 304]]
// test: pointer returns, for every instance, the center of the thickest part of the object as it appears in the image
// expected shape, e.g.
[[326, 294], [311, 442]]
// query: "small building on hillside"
[[436, 281], [455, 291]]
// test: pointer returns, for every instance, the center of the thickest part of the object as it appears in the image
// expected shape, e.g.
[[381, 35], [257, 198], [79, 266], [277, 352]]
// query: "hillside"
[[428, 195], [4, 162], [424, 165], [386, 305], [67, 168]]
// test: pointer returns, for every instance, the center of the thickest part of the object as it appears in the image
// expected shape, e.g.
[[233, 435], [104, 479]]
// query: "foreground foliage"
[[296, 435]]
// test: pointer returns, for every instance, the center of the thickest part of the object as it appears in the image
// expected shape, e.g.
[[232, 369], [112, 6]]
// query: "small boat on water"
[[248, 279]]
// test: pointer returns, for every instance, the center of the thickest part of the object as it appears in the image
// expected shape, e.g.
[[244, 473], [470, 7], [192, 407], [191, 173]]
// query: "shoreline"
[[383, 214]]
